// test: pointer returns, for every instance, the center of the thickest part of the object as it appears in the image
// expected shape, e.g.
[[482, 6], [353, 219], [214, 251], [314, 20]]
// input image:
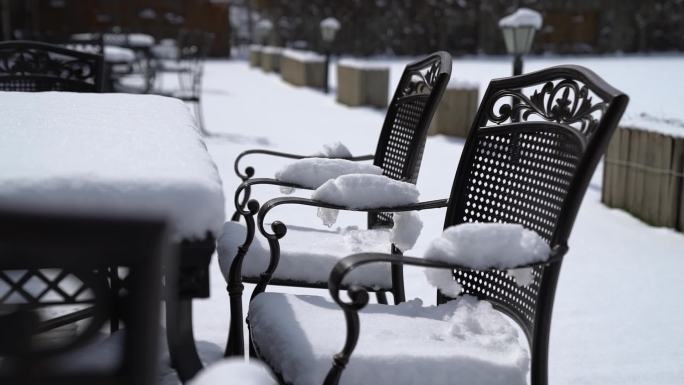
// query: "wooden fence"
[[643, 174]]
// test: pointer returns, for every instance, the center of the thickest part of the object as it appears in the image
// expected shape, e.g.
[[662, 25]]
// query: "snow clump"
[[483, 246], [313, 172]]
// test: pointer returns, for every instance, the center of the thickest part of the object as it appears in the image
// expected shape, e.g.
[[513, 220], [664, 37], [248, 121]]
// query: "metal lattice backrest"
[[402, 139], [34, 66], [528, 159], [64, 264]]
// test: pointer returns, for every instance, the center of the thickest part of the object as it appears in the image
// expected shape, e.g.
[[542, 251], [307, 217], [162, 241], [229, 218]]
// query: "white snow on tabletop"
[[406, 229], [522, 17], [303, 56], [113, 53], [334, 150], [313, 172], [460, 342], [359, 191], [482, 246], [109, 154], [236, 371]]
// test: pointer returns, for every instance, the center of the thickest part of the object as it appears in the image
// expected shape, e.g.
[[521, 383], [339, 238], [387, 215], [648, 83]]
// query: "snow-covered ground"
[[618, 315]]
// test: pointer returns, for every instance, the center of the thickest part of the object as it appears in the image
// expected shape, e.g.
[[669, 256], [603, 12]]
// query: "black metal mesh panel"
[[402, 140], [520, 178]]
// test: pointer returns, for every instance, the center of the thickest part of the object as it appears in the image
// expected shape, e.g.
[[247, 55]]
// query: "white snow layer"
[[272, 50], [113, 53], [308, 254], [483, 246], [522, 17], [464, 341], [236, 371], [313, 172], [330, 22], [356, 191], [303, 56], [406, 229], [109, 154], [334, 150], [362, 64]]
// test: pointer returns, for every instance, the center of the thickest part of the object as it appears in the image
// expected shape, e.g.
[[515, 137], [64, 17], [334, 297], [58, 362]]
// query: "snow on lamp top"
[[329, 27], [523, 17], [265, 25]]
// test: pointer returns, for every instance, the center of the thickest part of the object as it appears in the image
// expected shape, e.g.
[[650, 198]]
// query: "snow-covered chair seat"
[[307, 254], [235, 371], [463, 341]]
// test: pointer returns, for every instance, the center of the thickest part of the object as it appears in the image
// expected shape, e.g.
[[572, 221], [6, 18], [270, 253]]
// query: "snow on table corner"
[[236, 370], [313, 172], [463, 341], [363, 64], [482, 246], [359, 191], [117, 154], [522, 17]]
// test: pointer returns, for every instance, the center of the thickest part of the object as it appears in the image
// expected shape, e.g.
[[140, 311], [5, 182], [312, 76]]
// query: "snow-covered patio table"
[[119, 154]]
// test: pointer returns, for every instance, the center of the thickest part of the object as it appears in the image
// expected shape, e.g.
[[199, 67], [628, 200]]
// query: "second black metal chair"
[[399, 153]]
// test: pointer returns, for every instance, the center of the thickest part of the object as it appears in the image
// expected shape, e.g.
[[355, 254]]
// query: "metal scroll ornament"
[[565, 102], [32, 62], [421, 83]]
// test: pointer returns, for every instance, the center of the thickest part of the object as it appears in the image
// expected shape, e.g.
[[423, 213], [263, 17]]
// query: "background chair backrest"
[[402, 139], [52, 262], [528, 159], [35, 66]]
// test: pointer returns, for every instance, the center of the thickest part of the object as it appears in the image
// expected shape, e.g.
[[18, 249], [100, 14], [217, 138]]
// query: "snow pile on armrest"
[[237, 371], [334, 150], [482, 246], [313, 172], [357, 191]]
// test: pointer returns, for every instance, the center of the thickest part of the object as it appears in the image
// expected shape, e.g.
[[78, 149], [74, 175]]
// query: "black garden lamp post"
[[264, 28], [518, 31], [329, 28]]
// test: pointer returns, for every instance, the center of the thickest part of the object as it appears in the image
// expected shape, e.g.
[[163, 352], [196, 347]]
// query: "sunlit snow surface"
[[618, 311]]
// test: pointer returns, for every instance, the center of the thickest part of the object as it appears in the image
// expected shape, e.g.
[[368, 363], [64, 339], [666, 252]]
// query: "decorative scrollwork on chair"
[[566, 102]]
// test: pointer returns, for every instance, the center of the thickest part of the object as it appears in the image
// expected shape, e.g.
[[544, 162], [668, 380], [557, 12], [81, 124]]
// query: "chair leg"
[[382, 297], [200, 118], [236, 344]]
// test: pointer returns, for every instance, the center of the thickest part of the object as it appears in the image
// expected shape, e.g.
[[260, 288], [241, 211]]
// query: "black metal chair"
[[53, 261], [35, 66], [193, 48], [399, 153], [528, 160]]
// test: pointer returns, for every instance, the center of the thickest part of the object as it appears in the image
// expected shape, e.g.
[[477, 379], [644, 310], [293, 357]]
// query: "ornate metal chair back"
[[528, 160], [34, 66], [48, 263], [402, 139]]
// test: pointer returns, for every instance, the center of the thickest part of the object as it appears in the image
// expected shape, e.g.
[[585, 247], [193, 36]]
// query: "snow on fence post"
[[362, 83], [456, 110], [255, 55], [303, 68], [270, 59], [644, 171]]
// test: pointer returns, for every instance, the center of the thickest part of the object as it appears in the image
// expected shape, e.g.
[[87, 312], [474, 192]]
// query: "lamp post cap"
[[523, 17], [331, 23], [265, 24]]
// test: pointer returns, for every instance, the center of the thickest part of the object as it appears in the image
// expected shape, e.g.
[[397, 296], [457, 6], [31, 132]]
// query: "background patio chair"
[[193, 47], [34, 66], [50, 262], [528, 160], [399, 153]]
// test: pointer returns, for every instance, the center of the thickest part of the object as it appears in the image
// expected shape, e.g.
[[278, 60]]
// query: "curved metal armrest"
[[249, 171], [359, 300], [253, 205], [271, 204]]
